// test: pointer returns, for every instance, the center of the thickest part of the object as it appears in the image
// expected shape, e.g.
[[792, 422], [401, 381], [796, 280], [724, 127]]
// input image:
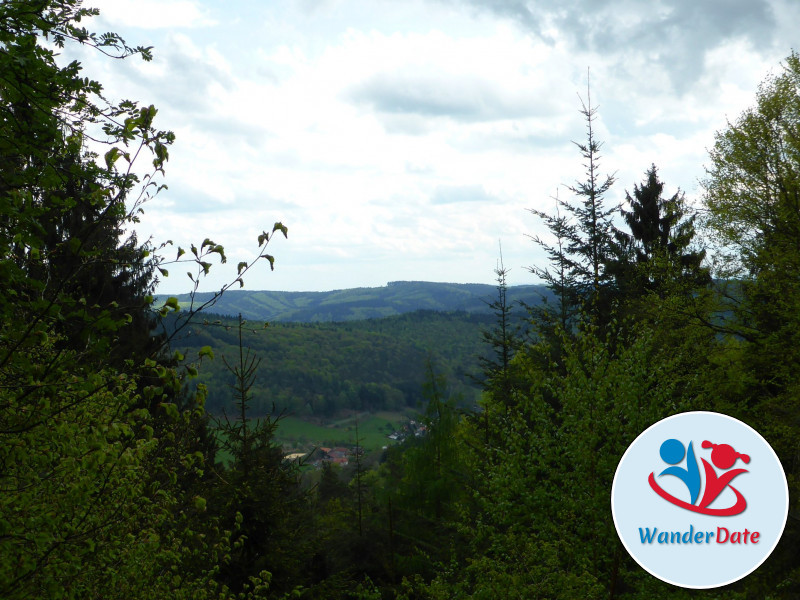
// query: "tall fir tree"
[[591, 241], [503, 340], [584, 236], [657, 254], [258, 494], [561, 280]]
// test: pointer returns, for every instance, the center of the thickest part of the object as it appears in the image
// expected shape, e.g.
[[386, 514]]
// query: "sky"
[[407, 139]]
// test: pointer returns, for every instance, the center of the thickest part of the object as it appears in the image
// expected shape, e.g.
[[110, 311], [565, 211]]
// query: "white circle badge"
[[700, 500]]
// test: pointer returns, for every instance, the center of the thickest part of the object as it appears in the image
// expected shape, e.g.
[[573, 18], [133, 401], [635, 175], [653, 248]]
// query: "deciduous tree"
[[92, 444], [752, 194]]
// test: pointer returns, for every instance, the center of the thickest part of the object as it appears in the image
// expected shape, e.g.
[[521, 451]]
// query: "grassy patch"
[[373, 430], [297, 432]]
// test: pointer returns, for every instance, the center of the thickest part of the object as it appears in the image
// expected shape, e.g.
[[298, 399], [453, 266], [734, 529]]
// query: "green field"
[[295, 434], [372, 429]]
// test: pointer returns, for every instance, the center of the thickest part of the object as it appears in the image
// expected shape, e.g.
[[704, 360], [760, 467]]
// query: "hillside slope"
[[396, 298], [317, 370]]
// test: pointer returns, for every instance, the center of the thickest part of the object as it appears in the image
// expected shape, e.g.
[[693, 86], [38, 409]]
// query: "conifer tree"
[[503, 341], [591, 241], [561, 279], [656, 255], [259, 493], [584, 235], [358, 451]]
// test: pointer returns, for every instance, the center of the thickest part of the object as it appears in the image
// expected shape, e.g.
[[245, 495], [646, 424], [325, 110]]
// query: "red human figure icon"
[[724, 457]]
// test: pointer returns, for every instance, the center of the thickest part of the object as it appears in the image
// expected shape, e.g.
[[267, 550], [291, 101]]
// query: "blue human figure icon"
[[672, 452]]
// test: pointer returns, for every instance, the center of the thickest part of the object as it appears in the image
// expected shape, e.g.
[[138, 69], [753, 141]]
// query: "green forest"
[[397, 297], [140, 452], [317, 370]]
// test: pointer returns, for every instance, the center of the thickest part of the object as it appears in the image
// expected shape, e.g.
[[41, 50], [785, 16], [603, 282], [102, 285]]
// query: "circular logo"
[[699, 500]]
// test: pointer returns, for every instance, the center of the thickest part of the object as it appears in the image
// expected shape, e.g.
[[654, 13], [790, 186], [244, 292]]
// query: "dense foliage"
[[101, 455], [315, 371]]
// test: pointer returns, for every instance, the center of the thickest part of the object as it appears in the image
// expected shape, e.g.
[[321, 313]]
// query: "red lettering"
[[720, 539], [736, 537]]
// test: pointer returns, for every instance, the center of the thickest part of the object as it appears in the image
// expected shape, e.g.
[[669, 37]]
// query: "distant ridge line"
[[352, 304]]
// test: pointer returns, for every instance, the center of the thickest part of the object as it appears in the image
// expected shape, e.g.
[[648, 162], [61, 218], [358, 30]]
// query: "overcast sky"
[[402, 139]]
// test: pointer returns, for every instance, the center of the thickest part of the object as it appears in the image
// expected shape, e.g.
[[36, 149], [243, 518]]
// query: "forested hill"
[[315, 370], [396, 298]]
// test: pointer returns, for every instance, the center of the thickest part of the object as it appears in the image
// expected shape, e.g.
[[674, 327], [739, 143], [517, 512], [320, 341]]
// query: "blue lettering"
[[647, 537], [687, 537]]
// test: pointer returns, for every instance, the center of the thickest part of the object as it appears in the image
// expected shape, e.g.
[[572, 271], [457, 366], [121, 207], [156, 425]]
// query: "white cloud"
[[153, 14], [402, 140]]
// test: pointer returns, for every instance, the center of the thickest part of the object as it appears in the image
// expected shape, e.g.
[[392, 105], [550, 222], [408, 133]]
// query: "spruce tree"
[[657, 255], [590, 242], [258, 494], [584, 236], [561, 279], [503, 340]]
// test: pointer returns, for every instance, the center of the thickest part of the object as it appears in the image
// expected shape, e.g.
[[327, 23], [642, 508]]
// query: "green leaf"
[[221, 251], [206, 351], [171, 410], [283, 229], [111, 157], [271, 260], [172, 302]]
